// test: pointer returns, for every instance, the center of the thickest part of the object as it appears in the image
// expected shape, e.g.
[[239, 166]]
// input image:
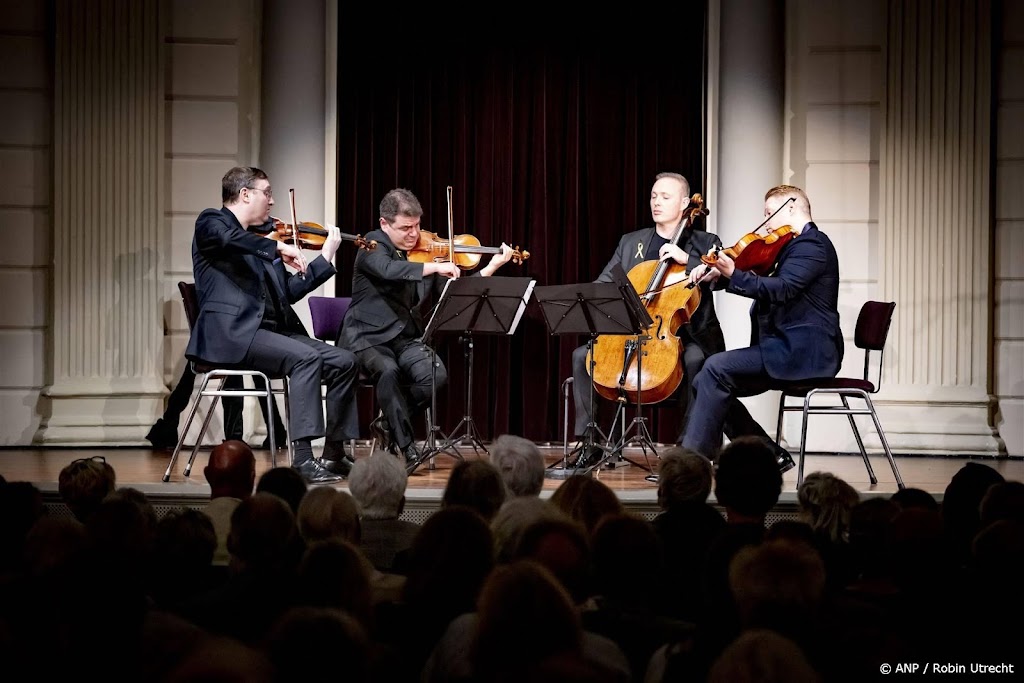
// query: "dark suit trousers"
[[308, 362], [401, 372], [725, 378], [693, 360]]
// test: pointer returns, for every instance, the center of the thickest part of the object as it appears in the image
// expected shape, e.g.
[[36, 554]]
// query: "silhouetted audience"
[[586, 500], [687, 525], [475, 484], [84, 483], [520, 463], [231, 474], [378, 485], [285, 483]]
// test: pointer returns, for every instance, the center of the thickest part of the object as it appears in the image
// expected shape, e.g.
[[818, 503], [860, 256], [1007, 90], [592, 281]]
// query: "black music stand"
[[592, 308], [474, 306]]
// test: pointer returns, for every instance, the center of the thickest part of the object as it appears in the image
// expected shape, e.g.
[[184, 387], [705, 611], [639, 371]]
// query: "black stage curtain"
[[550, 139]]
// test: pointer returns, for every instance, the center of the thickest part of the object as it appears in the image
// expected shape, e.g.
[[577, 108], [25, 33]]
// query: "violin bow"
[[295, 224], [451, 228]]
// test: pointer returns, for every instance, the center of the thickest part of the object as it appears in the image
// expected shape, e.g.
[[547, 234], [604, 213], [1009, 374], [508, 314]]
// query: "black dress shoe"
[[412, 457], [588, 457], [341, 467], [784, 460], [314, 473], [162, 435], [280, 440]]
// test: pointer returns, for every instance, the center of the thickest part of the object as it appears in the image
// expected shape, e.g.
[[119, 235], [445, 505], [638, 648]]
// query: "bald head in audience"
[[231, 470]]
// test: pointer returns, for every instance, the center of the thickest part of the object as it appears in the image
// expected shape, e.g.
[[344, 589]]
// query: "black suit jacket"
[[795, 315], [229, 263], [704, 327], [388, 292]]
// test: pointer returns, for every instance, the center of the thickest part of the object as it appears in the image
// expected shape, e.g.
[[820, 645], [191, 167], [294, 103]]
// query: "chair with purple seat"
[[870, 335], [327, 314]]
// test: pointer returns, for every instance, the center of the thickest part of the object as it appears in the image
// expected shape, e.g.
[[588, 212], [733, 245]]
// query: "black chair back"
[[190, 301], [873, 325]]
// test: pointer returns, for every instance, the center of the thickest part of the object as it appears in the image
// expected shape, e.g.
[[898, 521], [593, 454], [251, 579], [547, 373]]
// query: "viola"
[[434, 249], [309, 235], [755, 252]]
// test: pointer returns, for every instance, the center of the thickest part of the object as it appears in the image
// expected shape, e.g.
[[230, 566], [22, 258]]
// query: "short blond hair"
[[787, 191]]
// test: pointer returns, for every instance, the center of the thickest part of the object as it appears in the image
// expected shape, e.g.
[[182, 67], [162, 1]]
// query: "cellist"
[[702, 337], [795, 332]]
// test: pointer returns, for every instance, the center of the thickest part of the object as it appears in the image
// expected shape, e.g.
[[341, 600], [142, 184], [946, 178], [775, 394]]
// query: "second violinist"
[[384, 322]]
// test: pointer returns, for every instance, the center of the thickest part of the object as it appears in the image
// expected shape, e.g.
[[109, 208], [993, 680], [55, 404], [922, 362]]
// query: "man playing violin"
[[795, 332], [670, 197], [384, 323], [246, 319]]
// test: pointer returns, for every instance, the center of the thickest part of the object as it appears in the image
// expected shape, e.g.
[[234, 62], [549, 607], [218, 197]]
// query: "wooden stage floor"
[[144, 468]]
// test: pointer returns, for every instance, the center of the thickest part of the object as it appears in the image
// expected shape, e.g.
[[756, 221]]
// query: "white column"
[[107, 385], [750, 134], [935, 223]]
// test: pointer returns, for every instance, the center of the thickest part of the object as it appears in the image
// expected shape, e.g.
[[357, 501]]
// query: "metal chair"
[[870, 335], [210, 372]]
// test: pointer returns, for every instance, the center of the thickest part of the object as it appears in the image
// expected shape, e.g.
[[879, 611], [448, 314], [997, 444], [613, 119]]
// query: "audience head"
[[514, 517], [748, 482], [562, 546], [961, 504], [84, 483], [185, 536], [1004, 500], [475, 484], [378, 485], [914, 498], [326, 513], [525, 617], [231, 470], [220, 658], [620, 544], [264, 537], [123, 528], [778, 585], [285, 483], [288, 646], [762, 656], [520, 463], [586, 500], [342, 576], [452, 554], [684, 476], [826, 502]]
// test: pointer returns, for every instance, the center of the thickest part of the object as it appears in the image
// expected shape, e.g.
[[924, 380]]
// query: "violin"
[[310, 235], [467, 250], [756, 252]]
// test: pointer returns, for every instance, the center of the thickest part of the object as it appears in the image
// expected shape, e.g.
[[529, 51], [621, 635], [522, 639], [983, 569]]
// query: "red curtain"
[[550, 144]]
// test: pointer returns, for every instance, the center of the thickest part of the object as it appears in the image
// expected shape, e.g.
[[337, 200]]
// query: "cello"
[[661, 284]]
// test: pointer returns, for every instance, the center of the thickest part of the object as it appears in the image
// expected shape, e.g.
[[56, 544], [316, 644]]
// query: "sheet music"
[[522, 306]]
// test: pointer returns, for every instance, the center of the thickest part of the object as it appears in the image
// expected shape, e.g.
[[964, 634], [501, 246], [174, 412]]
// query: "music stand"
[[592, 308], [474, 306]]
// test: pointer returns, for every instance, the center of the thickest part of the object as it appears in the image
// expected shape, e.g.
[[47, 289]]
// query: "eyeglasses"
[[95, 458], [266, 191]]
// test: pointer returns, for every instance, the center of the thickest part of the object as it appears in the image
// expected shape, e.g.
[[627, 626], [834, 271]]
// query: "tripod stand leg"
[[470, 434]]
